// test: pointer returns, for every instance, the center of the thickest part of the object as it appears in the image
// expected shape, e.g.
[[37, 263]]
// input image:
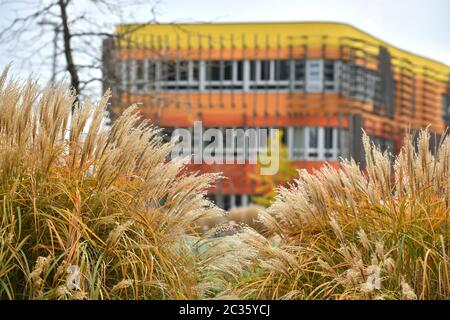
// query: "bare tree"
[[81, 24]]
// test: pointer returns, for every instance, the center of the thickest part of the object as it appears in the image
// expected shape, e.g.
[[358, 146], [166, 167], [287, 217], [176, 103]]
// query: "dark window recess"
[[238, 199], [128, 70], [387, 82], [284, 136], [299, 70], [240, 69], [169, 69], [226, 202], [314, 137], [151, 70], [213, 70], [183, 68], [227, 70], [445, 106], [265, 69], [139, 69], [195, 70], [282, 69], [328, 70], [253, 70], [328, 138]]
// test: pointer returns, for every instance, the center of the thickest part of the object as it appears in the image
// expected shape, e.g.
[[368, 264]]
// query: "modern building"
[[321, 83]]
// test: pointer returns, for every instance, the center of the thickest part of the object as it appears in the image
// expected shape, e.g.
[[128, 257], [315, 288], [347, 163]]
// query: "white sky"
[[420, 26]]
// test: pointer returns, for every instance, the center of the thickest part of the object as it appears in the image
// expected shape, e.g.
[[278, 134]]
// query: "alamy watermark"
[[228, 146]]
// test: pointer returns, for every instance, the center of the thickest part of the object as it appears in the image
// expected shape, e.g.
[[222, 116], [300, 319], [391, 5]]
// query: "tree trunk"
[[71, 67]]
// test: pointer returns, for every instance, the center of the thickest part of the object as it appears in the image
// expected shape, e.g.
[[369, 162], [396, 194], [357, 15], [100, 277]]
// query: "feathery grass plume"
[[348, 233], [99, 212]]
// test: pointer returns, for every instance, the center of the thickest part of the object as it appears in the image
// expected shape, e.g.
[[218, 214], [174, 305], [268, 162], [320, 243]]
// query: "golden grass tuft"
[[89, 212], [381, 233]]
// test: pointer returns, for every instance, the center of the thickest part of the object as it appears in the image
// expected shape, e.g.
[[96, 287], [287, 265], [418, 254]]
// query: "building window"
[[269, 74], [300, 68], [329, 138], [226, 200], [240, 70], [313, 143], [251, 75], [151, 70], [195, 70], [330, 143], [313, 137], [329, 75], [140, 75], [298, 143], [314, 75], [328, 70], [282, 70], [362, 83], [445, 106], [213, 70], [168, 71], [182, 71], [265, 70], [229, 201], [314, 70], [139, 70], [224, 74], [226, 70]]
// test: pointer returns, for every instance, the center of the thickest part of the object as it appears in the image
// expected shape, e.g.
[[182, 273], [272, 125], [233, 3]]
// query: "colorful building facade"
[[320, 83]]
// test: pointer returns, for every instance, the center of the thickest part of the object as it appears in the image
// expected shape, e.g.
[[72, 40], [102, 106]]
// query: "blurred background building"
[[320, 83]]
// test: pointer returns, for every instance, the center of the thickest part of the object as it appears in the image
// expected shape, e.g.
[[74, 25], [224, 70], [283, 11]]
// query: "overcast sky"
[[420, 26]]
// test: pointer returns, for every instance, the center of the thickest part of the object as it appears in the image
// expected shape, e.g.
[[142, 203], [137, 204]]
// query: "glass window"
[[265, 69], [445, 105], [151, 70], [183, 68], [212, 70], [240, 68], [238, 200], [139, 69], [283, 133], [298, 143], [329, 132], [329, 70], [195, 70], [313, 137], [253, 70], [282, 69], [227, 69], [169, 71], [226, 202], [314, 71], [344, 143], [299, 70]]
